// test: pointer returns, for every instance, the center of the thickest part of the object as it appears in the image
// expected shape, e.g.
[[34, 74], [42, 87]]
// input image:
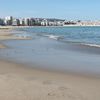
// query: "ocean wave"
[[81, 43], [55, 37], [91, 45]]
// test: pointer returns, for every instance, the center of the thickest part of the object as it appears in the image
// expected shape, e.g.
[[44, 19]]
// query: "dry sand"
[[17, 82]]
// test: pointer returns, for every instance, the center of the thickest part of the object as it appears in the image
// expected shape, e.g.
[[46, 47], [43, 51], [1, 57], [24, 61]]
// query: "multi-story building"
[[16, 22], [27, 21], [31, 22], [8, 20], [21, 22], [44, 22], [52, 22], [1, 21], [59, 23]]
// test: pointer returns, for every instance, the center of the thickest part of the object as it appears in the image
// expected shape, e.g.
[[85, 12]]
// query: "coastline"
[[57, 49], [21, 82], [14, 27], [7, 34]]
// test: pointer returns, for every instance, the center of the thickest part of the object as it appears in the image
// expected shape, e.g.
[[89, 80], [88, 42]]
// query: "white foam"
[[54, 37], [24, 35], [92, 45]]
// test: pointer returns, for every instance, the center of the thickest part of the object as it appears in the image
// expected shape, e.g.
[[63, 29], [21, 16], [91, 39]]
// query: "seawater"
[[73, 49], [86, 35]]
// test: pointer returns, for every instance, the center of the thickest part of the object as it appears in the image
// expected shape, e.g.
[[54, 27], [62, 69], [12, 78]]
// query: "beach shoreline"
[[69, 49], [23, 82], [6, 34], [14, 27]]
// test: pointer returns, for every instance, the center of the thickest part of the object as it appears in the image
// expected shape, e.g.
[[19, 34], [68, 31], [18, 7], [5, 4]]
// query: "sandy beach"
[[21, 82], [18, 82]]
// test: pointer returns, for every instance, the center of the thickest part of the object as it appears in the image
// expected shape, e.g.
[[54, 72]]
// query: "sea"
[[67, 49]]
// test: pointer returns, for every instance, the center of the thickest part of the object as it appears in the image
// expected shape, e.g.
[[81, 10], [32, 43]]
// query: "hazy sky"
[[67, 9]]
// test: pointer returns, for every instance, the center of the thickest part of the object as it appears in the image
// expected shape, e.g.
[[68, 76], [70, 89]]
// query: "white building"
[[15, 22], [60, 23], [44, 22], [26, 21], [52, 23], [8, 20], [21, 22]]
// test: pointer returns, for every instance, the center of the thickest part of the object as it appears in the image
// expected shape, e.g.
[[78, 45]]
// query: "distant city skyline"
[[63, 9]]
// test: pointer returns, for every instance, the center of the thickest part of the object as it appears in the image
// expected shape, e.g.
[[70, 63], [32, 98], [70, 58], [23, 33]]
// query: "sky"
[[64, 9]]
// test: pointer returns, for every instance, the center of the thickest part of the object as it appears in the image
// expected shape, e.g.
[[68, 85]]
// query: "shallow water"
[[53, 53]]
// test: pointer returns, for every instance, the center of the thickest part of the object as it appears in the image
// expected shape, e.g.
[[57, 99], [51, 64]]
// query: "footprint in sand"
[[65, 92], [71, 94], [56, 94], [51, 94], [47, 82], [63, 88], [63, 95]]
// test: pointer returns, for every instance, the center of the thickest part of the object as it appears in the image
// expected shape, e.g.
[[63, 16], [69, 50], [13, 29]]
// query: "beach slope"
[[18, 82]]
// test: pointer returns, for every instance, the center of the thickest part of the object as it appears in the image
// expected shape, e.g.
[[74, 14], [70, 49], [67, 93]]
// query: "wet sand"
[[6, 33], [2, 46], [18, 82]]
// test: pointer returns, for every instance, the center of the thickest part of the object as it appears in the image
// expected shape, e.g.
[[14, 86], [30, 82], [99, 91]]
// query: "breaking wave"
[[55, 37], [91, 45]]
